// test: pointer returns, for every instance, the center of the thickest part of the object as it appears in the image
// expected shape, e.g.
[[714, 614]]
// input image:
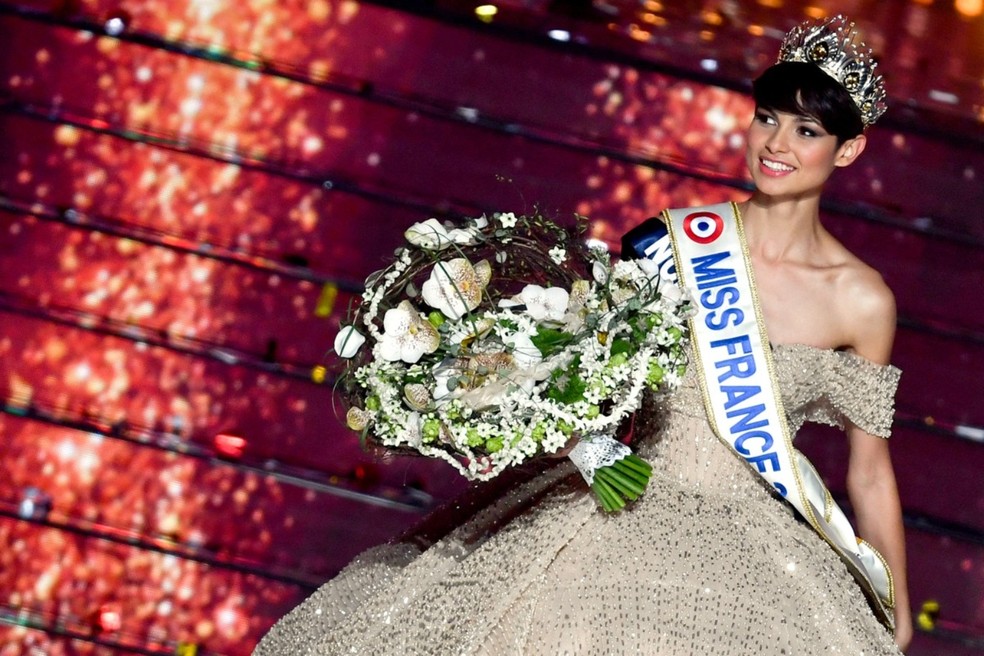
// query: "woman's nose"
[[778, 141]]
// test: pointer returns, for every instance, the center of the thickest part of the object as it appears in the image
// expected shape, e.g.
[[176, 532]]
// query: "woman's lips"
[[774, 168]]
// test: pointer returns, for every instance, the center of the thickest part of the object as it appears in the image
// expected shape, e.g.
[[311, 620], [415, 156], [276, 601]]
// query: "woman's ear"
[[850, 150]]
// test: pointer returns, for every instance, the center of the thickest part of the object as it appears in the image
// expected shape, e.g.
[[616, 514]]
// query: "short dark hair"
[[803, 88]]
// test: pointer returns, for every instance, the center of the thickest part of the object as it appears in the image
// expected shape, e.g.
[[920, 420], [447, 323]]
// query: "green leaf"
[[621, 345], [569, 387], [551, 340], [509, 323]]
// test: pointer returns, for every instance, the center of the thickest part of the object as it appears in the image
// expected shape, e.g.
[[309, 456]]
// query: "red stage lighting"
[[117, 22], [365, 475], [110, 618], [229, 445]]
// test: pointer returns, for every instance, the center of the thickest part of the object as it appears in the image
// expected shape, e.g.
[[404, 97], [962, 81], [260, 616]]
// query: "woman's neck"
[[779, 230]]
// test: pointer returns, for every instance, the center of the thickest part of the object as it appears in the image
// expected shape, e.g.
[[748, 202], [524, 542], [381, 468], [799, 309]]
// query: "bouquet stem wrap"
[[614, 473]]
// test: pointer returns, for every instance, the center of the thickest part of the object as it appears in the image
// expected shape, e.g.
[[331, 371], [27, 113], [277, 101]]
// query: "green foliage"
[[622, 346], [568, 386], [551, 340], [494, 444]]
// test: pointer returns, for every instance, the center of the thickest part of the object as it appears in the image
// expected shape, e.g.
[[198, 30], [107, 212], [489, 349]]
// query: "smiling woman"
[[805, 125], [710, 560], [812, 108]]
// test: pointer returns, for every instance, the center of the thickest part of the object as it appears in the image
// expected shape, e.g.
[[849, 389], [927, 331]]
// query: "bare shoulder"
[[866, 307]]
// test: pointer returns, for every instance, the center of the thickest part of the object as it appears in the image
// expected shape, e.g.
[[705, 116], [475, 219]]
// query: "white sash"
[[737, 379]]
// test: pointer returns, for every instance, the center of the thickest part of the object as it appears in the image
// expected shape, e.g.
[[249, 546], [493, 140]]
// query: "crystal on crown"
[[833, 45]]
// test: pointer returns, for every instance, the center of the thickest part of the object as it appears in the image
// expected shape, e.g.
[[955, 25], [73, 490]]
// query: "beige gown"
[[708, 562]]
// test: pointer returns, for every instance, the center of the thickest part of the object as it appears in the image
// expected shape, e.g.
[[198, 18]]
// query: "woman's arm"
[[870, 476], [875, 499]]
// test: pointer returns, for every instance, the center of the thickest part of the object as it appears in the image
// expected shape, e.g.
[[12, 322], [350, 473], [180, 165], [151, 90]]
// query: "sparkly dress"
[[707, 563]]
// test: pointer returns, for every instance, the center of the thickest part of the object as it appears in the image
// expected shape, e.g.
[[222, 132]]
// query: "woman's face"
[[791, 155]]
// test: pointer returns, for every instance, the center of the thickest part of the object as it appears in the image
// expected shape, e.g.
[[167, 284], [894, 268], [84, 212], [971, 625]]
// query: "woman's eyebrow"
[[803, 118]]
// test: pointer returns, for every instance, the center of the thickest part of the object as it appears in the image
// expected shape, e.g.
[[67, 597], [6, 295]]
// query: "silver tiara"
[[833, 45]]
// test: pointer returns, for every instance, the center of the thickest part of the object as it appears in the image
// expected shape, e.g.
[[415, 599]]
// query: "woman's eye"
[[764, 118], [811, 132]]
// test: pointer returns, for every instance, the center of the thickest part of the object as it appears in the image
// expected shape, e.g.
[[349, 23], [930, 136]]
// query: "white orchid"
[[543, 304], [455, 287], [406, 335], [348, 342], [433, 236], [417, 396], [430, 234], [639, 271], [524, 351], [464, 236], [412, 433], [468, 332]]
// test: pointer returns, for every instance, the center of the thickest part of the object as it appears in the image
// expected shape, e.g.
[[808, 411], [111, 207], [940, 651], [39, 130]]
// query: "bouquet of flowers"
[[509, 338]]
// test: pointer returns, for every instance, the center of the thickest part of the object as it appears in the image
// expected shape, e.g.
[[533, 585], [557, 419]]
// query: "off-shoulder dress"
[[708, 562]]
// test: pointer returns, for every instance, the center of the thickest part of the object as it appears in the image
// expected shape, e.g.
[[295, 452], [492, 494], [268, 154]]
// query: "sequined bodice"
[[819, 385]]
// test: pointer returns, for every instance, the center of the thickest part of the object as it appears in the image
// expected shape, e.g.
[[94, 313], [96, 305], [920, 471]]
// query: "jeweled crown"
[[834, 45]]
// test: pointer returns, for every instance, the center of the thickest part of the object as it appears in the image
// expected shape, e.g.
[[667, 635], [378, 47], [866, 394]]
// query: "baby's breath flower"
[[508, 219]]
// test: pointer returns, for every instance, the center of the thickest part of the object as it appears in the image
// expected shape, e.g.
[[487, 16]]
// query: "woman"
[[709, 561]]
